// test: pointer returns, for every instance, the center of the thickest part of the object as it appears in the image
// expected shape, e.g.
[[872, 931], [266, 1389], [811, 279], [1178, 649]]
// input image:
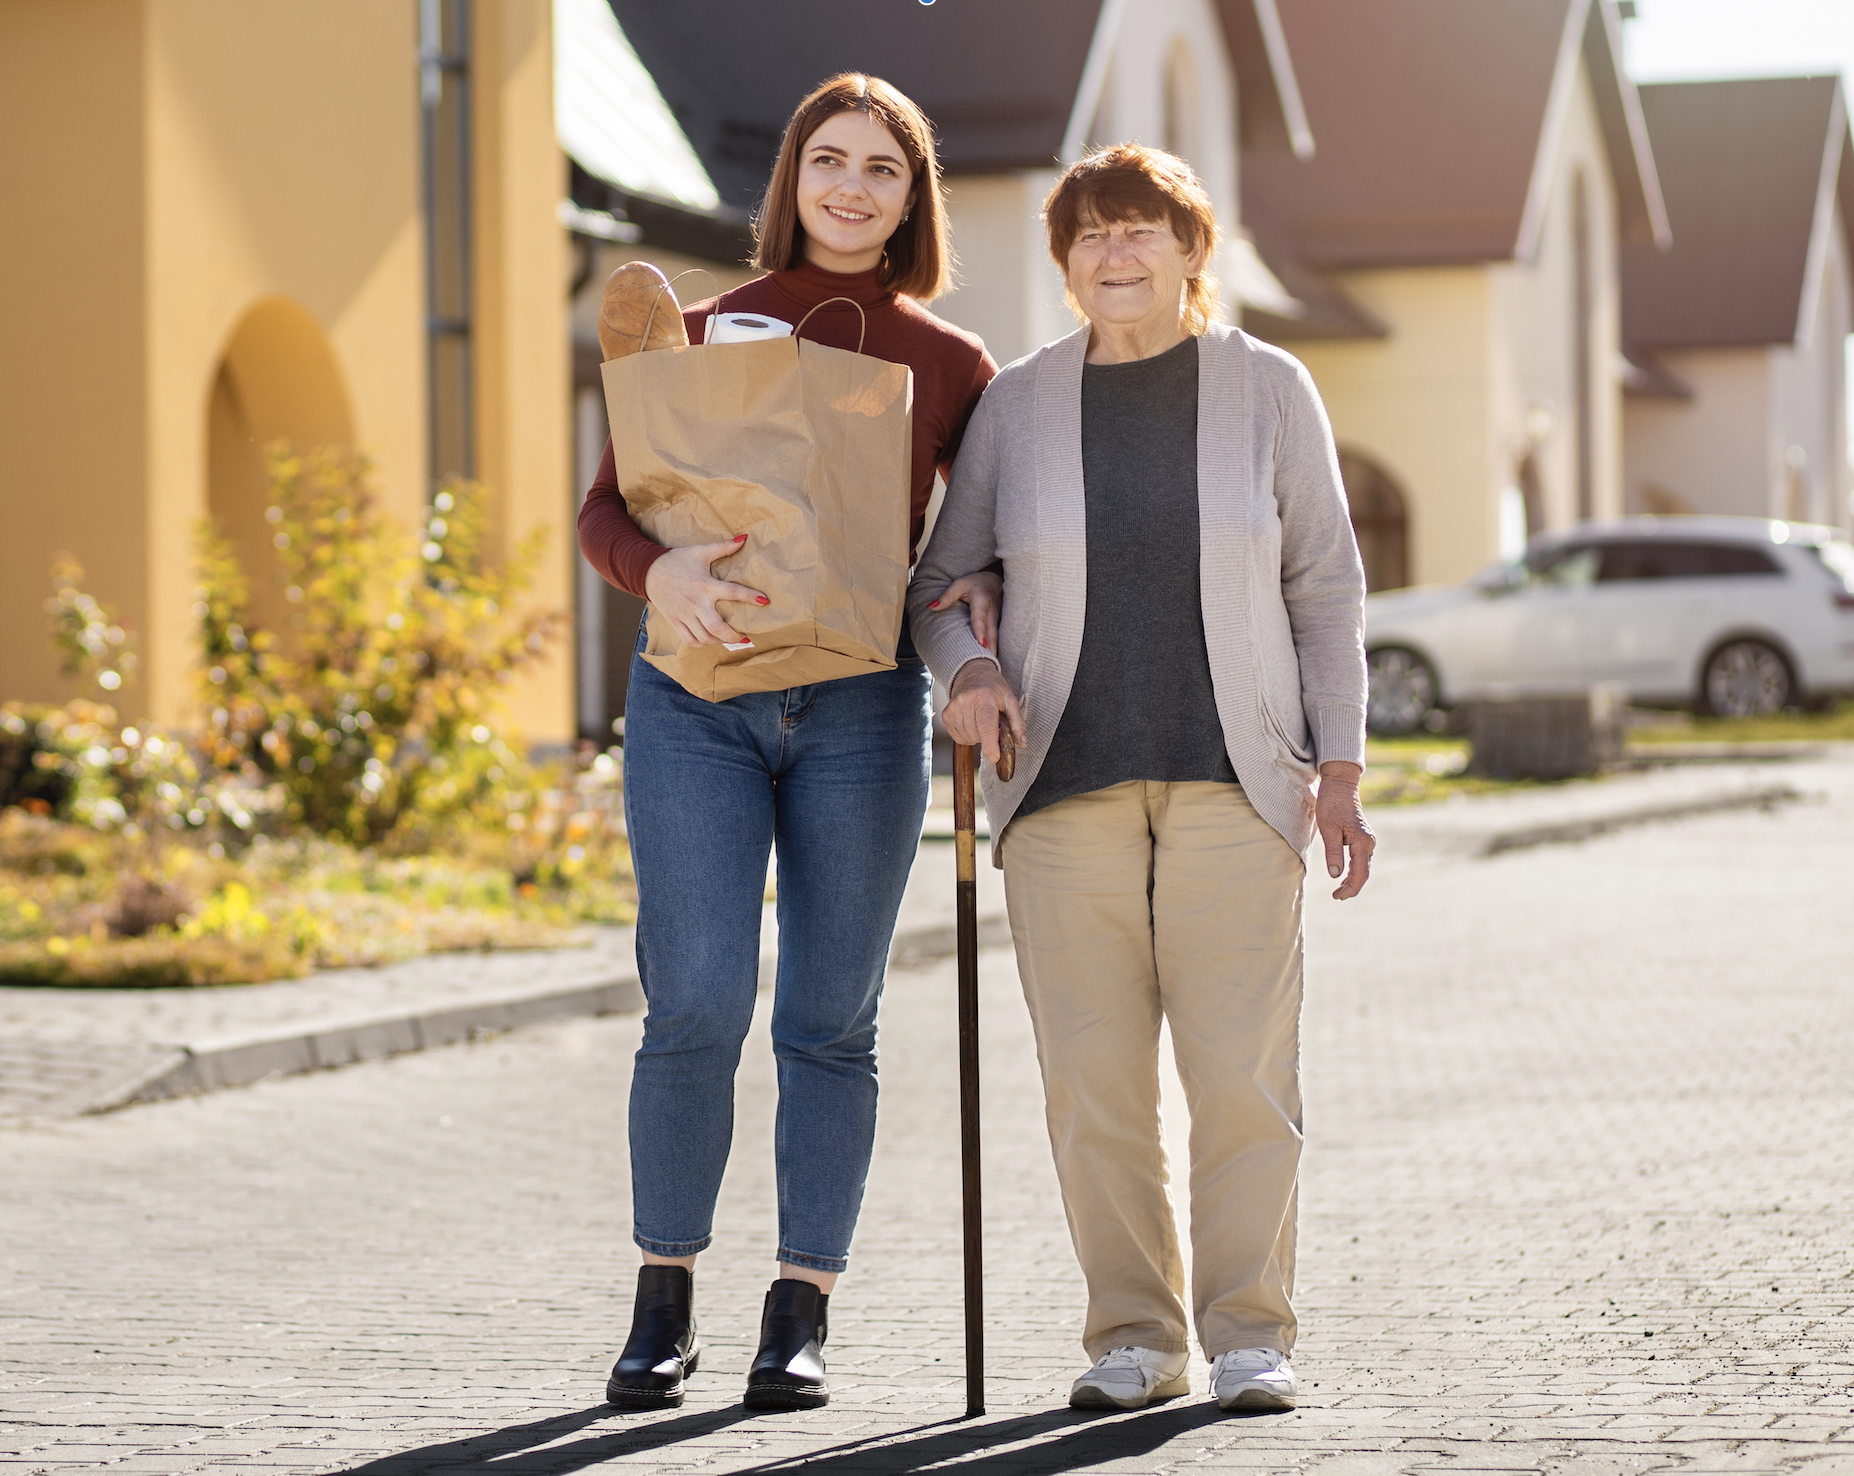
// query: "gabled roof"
[[1752, 169], [1001, 79], [1438, 123]]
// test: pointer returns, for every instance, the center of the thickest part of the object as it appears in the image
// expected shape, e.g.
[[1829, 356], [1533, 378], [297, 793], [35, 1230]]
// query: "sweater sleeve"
[[609, 538], [964, 539], [1322, 577], [983, 372]]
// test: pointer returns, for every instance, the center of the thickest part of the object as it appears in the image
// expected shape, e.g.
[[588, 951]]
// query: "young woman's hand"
[[979, 698], [983, 595], [682, 588]]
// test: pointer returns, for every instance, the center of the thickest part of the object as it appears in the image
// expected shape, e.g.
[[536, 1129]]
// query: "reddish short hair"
[[918, 261], [1132, 182]]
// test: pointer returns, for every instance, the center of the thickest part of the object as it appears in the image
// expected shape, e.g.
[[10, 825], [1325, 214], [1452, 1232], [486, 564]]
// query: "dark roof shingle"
[[1429, 116], [998, 78], [1742, 166]]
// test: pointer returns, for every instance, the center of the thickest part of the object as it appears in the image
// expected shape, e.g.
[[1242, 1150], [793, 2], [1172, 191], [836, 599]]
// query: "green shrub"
[[348, 800], [375, 710]]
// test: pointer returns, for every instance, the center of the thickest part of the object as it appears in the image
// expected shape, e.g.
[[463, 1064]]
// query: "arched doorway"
[[1380, 521], [278, 380]]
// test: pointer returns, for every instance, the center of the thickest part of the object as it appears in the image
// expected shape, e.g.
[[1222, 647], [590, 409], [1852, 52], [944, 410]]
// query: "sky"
[[1688, 40]]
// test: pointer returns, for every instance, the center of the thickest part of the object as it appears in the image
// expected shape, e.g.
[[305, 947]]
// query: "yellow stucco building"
[[233, 221]]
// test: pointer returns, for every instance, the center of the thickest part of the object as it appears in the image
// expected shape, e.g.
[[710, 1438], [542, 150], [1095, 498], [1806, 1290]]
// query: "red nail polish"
[[985, 643], [934, 606], [741, 539], [764, 600]]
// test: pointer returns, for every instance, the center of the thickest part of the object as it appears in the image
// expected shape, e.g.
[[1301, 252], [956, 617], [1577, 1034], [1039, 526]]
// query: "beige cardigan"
[[1283, 588]]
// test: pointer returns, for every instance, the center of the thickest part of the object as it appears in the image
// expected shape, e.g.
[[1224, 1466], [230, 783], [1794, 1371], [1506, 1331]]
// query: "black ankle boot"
[[788, 1373], [662, 1348]]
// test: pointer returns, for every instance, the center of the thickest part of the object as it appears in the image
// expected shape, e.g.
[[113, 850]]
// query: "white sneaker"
[[1131, 1378], [1253, 1378]]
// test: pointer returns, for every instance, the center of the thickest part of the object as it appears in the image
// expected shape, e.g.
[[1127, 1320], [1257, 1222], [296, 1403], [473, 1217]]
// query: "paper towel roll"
[[744, 328]]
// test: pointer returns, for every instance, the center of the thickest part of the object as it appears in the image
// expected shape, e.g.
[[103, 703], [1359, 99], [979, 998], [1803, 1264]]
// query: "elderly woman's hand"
[[1342, 827], [983, 594], [979, 695]]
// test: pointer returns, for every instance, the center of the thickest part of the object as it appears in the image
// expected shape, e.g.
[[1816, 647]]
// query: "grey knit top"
[[1281, 583]]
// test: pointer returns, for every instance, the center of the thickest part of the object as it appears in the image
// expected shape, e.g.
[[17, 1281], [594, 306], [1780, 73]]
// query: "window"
[[1568, 566], [1837, 558], [1662, 558]]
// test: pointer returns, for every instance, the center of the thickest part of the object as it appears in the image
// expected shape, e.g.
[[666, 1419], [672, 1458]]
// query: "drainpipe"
[[444, 75]]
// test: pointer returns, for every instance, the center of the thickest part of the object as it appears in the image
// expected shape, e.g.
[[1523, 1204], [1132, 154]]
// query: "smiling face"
[[1130, 274], [854, 188]]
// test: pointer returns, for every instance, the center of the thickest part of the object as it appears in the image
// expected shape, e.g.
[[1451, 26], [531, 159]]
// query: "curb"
[[1767, 798], [209, 1066]]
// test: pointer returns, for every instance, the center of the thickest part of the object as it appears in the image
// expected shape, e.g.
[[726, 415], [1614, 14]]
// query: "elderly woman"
[[1183, 616]]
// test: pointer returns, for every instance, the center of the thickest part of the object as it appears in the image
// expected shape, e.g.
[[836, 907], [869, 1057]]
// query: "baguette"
[[625, 309]]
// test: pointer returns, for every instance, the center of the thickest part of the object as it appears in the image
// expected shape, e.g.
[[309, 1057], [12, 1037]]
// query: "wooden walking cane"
[[965, 846]]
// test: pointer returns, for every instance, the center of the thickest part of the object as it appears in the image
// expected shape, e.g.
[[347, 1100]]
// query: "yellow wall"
[[225, 245], [281, 147], [73, 420], [523, 357], [1418, 403]]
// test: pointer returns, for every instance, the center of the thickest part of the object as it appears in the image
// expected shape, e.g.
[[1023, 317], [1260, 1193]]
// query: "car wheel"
[[1745, 679], [1402, 691]]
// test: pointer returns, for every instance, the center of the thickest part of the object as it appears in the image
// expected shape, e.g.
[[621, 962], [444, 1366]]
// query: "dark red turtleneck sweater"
[[951, 370]]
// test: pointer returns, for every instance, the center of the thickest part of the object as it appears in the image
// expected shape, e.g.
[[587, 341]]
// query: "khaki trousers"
[[1151, 898]]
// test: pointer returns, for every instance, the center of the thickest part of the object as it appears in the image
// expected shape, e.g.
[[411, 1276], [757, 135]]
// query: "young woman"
[[836, 773]]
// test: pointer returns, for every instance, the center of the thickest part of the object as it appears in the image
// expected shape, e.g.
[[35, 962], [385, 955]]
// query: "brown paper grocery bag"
[[803, 448]]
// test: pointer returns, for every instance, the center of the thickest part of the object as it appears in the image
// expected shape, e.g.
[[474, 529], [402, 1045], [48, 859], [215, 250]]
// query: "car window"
[[1566, 566], [1667, 558], [1837, 556]]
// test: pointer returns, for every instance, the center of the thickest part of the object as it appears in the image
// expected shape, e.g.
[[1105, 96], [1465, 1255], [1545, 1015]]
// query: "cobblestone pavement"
[[1577, 1197]]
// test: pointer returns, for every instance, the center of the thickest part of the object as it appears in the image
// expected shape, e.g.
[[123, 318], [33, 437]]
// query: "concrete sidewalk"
[[69, 1051], [66, 1052]]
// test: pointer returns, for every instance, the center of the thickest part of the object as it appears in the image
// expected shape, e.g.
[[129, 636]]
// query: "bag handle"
[[827, 301], [645, 339]]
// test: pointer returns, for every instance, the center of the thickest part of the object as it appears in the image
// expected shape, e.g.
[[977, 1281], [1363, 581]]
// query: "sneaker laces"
[[1249, 1360], [1120, 1358]]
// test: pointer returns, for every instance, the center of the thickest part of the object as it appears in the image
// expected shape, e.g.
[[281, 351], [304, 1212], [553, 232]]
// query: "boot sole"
[[624, 1396], [779, 1396]]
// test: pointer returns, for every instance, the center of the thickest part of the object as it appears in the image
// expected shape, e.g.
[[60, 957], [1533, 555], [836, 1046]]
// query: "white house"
[[1737, 391], [1453, 251]]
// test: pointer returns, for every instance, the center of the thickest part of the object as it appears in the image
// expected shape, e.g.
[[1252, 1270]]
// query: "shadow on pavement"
[[528, 1450], [1060, 1440]]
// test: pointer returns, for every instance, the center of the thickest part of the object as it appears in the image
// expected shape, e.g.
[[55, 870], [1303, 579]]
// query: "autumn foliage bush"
[[349, 796], [374, 710]]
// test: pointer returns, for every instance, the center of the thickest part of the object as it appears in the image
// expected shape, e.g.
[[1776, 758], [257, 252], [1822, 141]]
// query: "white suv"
[[1733, 616]]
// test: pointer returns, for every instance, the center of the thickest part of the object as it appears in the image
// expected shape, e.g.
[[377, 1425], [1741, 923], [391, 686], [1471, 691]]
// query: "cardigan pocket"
[[1298, 754]]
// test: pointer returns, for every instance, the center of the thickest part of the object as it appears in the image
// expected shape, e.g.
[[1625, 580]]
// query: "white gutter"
[[1093, 79]]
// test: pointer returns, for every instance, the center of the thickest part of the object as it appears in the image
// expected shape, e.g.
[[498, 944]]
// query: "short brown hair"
[[918, 261], [1132, 182]]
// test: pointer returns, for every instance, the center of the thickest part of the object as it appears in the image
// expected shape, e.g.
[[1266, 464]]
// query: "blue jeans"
[[837, 775]]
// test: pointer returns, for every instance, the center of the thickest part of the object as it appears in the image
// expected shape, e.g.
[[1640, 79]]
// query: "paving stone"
[[1557, 1099]]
